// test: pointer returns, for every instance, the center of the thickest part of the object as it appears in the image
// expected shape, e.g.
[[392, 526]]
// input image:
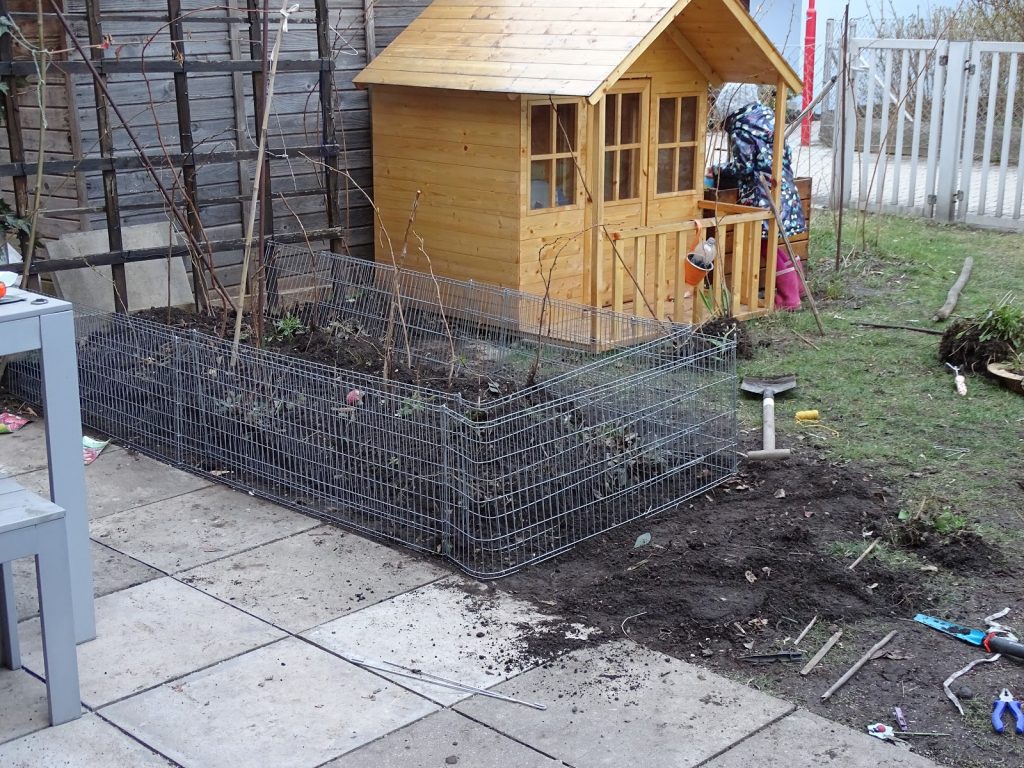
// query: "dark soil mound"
[[730, 327], [717, 572], [961, 346]]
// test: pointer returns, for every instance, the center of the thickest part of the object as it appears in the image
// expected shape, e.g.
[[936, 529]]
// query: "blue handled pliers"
[[1006, 698]]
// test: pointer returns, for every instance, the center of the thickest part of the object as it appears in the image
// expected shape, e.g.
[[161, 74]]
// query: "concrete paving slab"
[[120, 480], [311, 577], [152, 633], [609, 704], [147, 281], [111, 571], [84, 743], [287, 704], [185, 531], [23, 451], [435, 740], [476, 637], [804, 740], [23, 707]]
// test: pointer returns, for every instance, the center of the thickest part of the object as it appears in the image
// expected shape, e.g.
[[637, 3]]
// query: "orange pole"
[[810, 33]]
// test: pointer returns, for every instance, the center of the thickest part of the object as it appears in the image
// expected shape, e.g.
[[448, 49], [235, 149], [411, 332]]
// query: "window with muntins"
[[677, 144], [622, 127], [552, 146]]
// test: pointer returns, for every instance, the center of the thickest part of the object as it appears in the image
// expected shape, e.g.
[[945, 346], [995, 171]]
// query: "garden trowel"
[[989, 641]]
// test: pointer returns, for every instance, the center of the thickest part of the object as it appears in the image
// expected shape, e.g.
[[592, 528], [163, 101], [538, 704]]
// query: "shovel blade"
[[968, 635]]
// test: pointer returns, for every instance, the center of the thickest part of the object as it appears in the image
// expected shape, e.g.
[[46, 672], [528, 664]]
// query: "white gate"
[[934, 128]]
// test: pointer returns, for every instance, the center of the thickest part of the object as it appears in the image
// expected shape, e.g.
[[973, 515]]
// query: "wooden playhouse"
[[563, 142]]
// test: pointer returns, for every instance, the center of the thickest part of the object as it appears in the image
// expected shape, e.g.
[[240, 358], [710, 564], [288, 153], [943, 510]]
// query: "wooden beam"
[[45, 266], [188, 165], [690, 51], [16, 143], [328, 134], [106, 140], [595, 206], [370, 27], [778, 150]]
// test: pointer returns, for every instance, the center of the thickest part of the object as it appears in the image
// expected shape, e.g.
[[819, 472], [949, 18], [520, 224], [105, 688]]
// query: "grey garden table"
[[48, 325]]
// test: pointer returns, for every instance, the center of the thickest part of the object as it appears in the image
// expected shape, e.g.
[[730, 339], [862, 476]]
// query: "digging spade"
[[768, 388]]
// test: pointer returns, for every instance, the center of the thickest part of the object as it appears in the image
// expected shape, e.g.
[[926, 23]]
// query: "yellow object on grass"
[[807, 415]]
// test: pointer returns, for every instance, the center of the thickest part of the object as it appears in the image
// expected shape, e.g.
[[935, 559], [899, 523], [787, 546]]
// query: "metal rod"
[[397, 669], [795, 123]]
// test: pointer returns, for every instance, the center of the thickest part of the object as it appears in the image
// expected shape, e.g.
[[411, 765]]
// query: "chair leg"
[[10, 655], [57, 623]]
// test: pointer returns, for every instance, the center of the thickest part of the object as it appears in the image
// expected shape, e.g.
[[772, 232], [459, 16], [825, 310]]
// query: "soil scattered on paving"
[[742, 570]]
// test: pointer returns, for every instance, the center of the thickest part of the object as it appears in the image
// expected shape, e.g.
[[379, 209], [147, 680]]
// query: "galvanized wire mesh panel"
[[606, 434]]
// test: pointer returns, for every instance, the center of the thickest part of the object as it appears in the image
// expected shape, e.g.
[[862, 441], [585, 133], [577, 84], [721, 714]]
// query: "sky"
[[784, 20]]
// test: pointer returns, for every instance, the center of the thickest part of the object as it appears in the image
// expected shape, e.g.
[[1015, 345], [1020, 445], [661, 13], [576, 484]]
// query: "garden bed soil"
[[742, 570]]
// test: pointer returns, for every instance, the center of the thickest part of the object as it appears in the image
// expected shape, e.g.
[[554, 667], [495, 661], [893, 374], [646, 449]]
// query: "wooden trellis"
[[152, 108]]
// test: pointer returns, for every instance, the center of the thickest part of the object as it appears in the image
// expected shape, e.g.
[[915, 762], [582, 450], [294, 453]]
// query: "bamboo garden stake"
[[286, 11]]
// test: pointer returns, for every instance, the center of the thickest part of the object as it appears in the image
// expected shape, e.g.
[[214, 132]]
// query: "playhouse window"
[[677, 144], [622, 125], [552, 166]]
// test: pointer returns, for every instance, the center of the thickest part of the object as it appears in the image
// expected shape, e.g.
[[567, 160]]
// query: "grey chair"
[[31, 526]]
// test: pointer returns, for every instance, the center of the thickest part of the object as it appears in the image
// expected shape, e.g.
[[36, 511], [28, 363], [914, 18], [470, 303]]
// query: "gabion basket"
[[580, 420]]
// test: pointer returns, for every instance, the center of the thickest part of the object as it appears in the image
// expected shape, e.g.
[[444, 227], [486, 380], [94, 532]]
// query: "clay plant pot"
[[1004, 373], [694, 274]]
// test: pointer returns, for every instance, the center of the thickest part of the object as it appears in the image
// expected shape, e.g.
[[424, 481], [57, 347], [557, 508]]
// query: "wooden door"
[[626, 188]]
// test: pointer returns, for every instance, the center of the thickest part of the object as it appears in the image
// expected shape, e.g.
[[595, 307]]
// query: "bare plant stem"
[[261, 153]]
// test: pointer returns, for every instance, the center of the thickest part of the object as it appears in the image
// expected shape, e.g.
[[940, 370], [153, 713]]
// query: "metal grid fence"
[[492, 477]]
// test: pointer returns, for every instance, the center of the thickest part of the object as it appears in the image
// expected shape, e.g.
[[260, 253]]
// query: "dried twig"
[[821, 652], [807, 629], [629, 618], [865, 553], [806, 341], [954, 292], [898, 327], [858, 664], [257, 185]]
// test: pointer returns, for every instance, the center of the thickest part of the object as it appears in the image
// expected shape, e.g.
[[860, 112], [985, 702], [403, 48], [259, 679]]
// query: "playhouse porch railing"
[[647, 267]]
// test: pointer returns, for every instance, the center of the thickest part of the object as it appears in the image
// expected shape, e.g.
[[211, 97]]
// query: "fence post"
[[188, 161], [845, 132], [952, 130], [111, 203]]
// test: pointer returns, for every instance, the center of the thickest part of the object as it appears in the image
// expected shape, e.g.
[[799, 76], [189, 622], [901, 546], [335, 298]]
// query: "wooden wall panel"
[[467, 174]]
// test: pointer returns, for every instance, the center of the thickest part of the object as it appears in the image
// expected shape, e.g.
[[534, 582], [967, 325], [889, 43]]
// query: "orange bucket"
[[693, 274]]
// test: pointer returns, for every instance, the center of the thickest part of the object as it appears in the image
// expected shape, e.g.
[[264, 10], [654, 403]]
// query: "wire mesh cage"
[[523, 426]]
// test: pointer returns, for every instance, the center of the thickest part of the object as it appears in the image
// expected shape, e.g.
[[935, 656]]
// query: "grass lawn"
[[886, 401]]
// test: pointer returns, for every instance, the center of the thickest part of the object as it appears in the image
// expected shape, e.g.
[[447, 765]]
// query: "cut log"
[[954, 292]]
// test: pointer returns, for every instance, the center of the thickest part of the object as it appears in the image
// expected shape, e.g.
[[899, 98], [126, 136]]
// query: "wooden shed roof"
[[570, 47]]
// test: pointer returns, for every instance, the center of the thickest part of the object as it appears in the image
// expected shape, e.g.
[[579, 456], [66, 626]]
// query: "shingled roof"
[[570, 48]]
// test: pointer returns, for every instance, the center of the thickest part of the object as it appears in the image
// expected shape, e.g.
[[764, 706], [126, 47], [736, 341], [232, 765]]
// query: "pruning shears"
[[1006, 699]]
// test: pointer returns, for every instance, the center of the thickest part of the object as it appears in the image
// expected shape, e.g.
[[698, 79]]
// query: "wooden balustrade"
[[647, 267]]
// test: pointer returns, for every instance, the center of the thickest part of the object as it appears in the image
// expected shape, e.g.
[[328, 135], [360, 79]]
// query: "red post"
[[809, 39]]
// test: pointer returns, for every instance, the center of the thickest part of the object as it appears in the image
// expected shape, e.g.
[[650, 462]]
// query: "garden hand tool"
[[768, 388], [990, 641], [1006, 699]]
